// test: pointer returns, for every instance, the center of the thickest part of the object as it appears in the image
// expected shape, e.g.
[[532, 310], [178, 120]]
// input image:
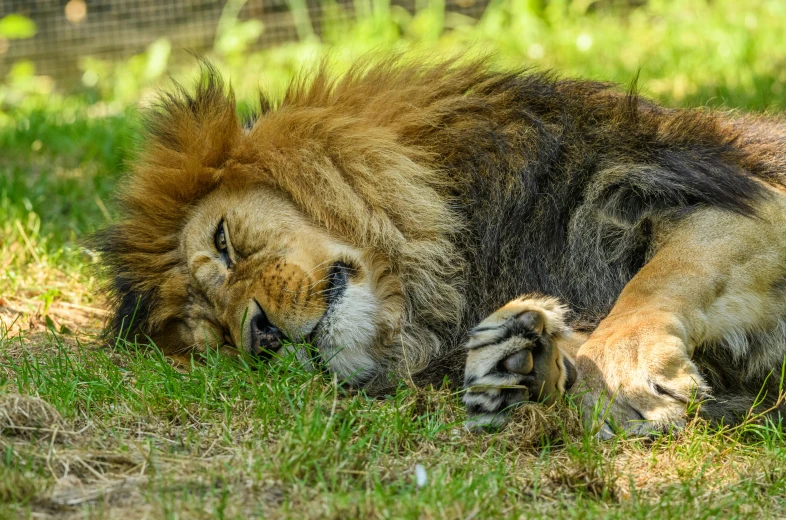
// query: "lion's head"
[[317, 223]]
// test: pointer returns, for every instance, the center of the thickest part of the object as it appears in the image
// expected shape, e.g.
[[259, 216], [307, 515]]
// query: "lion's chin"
[[342, 342], [345, 336]]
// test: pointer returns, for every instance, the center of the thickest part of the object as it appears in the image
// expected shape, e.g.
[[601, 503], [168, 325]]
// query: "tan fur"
[[715, 275], [333, 173]]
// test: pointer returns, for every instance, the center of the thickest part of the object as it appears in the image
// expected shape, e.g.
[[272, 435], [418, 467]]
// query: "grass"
[[103, 432]]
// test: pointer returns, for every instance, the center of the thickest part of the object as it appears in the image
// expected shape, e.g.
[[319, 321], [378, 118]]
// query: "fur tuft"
[[187, 139]]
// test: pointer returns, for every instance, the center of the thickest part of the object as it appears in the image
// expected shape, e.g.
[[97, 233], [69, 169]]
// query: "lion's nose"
[[266, 337]]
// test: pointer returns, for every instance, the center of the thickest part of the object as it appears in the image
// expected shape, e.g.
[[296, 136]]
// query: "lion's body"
[[453, 190]]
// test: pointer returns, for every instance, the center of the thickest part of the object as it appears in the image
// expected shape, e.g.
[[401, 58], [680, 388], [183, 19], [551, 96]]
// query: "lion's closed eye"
[[221, 241]]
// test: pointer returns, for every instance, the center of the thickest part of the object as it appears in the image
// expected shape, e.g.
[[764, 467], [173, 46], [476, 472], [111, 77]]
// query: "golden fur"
[[330, 149], [382, 214]]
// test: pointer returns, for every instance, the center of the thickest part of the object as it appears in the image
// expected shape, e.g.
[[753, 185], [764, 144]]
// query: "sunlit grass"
[[228, 435]]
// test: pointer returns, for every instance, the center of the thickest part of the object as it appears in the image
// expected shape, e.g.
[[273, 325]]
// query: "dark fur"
[[544, 214], [537, 175]]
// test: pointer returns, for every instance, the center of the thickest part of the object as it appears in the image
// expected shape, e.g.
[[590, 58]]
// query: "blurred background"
[[717, 52], [74, 73]]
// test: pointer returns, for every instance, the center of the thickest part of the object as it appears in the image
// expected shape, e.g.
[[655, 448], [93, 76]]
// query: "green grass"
[[91, 431], [233, 439]]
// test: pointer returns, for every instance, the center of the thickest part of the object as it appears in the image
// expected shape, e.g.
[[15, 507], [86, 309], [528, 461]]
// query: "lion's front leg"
[[718, 275], [636, 372]]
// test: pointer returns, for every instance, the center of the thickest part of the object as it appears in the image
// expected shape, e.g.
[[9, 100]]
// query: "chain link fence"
[[67, 30]]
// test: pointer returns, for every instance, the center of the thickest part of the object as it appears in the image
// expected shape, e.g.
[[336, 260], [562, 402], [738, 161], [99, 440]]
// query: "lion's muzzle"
[[266, 337]]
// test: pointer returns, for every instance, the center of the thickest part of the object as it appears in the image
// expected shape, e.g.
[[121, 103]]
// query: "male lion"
[[380, 216]]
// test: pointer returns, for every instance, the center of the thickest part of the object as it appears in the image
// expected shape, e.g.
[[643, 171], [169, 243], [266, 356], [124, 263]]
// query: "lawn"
[[98, 428]]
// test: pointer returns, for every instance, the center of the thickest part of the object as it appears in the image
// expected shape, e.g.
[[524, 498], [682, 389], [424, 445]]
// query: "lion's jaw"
[[284, 272]]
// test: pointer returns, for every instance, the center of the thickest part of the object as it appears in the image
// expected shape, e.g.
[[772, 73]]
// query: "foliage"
[[17, 27], [63, 151]]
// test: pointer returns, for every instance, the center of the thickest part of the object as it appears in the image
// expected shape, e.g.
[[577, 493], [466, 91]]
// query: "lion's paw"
[[643, 396], [513, 357]]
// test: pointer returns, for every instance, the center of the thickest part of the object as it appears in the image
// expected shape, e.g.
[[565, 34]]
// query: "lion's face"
[[316, 225], [260, 275]]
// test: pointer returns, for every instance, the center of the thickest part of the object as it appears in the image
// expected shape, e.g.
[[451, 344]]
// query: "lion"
[[406, 222]]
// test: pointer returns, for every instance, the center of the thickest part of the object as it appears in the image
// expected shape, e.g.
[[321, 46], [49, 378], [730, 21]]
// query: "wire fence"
[[67, 30]]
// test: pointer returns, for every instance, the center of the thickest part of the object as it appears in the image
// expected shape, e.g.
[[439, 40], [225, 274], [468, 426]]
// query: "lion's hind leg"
[[516, 355]]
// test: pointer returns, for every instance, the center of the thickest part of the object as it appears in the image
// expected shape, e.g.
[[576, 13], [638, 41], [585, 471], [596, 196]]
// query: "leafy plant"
[[17, 27]]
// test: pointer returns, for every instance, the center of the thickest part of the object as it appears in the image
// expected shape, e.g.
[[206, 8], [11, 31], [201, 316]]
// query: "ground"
[[88, 431], [98, 428]]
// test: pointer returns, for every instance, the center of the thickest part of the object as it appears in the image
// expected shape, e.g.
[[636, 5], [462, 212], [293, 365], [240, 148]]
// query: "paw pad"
[[519, 363], [513, 358]]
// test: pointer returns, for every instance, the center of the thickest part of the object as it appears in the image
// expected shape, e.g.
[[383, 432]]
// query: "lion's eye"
[[220, 239]]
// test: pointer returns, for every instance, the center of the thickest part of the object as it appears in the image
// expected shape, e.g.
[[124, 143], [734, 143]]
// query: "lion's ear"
[[200, 128]]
